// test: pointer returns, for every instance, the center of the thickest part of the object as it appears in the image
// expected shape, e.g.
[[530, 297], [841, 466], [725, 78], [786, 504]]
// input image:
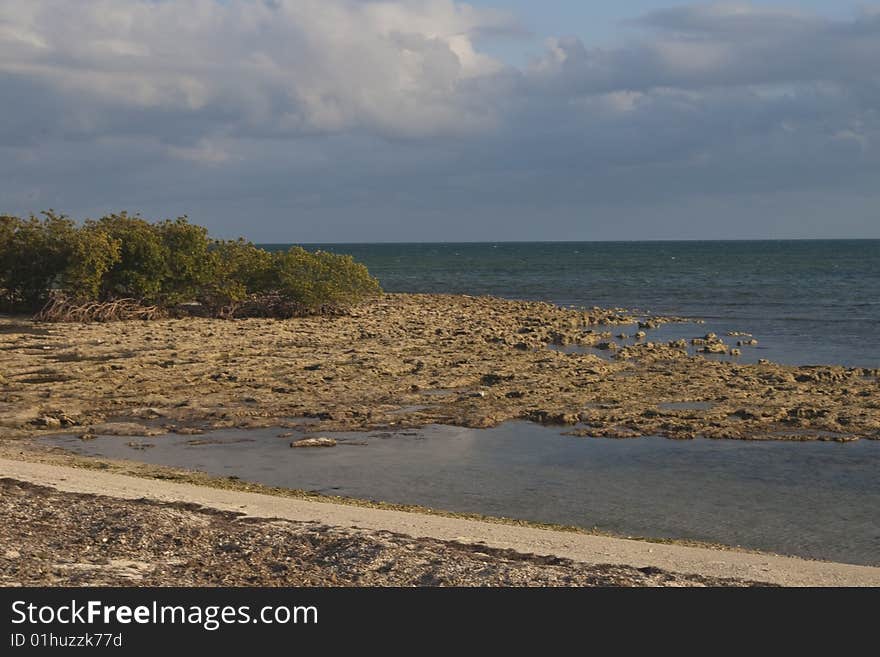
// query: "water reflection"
[[818, 500]]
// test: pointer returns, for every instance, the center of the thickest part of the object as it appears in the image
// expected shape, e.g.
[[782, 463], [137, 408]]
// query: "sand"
[[579, 548]]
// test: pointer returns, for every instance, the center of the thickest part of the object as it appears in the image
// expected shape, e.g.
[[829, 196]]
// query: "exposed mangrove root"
[[63, 309], [60, 308]]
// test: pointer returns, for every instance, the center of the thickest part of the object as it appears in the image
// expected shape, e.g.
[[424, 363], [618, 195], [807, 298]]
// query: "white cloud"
[[288, 65]]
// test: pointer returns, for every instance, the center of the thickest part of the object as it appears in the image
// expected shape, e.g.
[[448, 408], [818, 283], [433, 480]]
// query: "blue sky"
[[433, 120]]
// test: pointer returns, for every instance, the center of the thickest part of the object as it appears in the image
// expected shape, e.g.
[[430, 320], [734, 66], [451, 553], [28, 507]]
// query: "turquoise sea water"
[[807, 302]]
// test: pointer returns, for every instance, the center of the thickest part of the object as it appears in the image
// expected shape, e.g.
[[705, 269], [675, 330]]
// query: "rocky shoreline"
[[412, 360]]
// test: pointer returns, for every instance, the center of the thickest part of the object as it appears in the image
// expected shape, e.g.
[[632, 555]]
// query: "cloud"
[[726, 87], [287, 66], [724, 45], [348, 119]]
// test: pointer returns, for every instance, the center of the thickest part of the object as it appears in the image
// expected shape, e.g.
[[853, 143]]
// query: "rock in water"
[[314, 442], [49, 422]]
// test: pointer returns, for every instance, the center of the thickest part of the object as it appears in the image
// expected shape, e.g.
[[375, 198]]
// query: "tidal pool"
[[813, 499]]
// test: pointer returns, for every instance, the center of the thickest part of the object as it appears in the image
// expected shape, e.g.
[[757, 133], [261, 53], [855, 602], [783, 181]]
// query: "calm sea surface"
[[807, 302]]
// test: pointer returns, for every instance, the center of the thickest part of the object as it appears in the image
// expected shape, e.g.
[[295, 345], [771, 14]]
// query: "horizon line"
[[659, 240]]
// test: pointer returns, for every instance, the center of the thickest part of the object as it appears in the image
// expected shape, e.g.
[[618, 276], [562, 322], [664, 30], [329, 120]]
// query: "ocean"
[[807, 302]]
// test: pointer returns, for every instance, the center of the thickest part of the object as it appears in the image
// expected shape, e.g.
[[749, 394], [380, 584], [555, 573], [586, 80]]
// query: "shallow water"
[[686, 406], [819, 500], [808, 302], [676, 331]]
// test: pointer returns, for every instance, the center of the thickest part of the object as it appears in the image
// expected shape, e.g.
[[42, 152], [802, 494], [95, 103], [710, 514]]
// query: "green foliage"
[[93, 252], [165, 264], [34, 254], [142, 266], [238, 269], [187, 264], [8, 227], [318, 279]]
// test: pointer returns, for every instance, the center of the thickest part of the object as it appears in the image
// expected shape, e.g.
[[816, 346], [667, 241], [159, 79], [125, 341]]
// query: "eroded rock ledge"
[[410, 360]]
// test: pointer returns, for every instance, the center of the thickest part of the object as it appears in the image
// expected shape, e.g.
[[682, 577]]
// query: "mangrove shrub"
[[172, 266]]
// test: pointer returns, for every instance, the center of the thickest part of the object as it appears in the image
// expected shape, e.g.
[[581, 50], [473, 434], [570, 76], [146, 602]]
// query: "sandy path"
[[579, 547]]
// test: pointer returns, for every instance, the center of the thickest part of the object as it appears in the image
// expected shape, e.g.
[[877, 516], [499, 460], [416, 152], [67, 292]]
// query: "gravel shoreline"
[[50, 538]]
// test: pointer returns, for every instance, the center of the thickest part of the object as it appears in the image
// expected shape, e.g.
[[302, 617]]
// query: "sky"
[[432, 120]]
